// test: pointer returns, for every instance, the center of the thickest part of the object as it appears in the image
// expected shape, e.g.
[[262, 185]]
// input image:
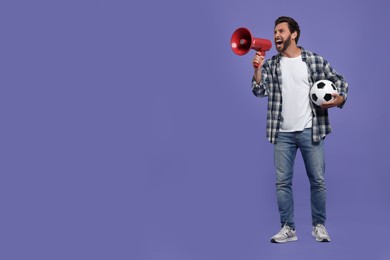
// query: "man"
[[294, 122]]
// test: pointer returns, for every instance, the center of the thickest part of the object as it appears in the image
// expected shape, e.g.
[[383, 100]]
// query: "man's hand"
[[336, 101], [258, 60]]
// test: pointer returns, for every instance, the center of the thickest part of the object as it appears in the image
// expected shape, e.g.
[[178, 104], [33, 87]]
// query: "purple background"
[[129, 131]]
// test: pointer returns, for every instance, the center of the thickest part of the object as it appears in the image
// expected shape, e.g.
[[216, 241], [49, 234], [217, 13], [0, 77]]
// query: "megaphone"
[[242, 41]]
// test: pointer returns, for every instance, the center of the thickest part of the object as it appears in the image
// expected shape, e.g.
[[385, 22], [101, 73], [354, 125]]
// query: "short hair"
[[292, 25]]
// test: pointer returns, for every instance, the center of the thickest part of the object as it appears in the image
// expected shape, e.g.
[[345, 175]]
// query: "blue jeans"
[[285, 151]]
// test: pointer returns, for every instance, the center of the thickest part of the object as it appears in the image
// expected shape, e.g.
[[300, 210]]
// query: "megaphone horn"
[[242, 41]]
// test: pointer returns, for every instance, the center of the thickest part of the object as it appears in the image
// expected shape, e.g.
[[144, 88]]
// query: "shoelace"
[[286, 230]]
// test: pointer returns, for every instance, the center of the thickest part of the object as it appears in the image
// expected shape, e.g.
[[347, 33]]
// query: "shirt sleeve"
[[338, 79], [260, 90]]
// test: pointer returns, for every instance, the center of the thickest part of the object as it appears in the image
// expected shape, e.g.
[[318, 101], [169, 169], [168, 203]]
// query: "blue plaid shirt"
[[271, 86]]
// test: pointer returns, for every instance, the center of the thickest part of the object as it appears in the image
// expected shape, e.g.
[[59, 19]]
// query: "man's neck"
[[292, 52]]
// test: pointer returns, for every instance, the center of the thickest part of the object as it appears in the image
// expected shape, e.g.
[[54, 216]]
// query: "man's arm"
[[258, 88], [341, 85]]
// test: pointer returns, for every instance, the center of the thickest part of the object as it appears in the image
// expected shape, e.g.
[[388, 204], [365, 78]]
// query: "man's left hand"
[[336, 101]]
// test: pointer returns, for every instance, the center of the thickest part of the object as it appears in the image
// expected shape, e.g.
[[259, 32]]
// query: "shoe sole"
[[291, 239]]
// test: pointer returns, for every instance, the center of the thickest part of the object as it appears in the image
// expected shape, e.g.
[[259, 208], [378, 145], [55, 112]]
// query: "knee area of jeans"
[[320, 182], [283, 185]]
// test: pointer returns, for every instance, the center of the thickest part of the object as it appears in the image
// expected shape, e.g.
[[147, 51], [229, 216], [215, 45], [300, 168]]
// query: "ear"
[[294, 35]]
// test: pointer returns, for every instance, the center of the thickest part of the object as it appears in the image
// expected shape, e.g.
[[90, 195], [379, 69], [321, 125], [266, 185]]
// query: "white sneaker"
[[286, 234], [320, 233]]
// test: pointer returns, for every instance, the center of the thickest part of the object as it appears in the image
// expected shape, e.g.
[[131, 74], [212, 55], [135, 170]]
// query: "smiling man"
[[294, 122]]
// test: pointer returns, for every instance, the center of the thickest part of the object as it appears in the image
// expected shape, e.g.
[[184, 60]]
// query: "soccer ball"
[[322, 91]]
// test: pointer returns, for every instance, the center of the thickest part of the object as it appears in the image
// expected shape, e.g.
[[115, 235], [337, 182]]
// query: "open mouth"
[[278, 43]]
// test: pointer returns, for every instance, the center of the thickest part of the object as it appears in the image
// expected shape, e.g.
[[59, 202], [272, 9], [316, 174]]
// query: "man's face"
[[282, 37]]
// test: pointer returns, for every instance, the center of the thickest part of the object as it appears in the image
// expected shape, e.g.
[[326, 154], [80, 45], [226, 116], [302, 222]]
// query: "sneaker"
[[320, 233], [286, 234]]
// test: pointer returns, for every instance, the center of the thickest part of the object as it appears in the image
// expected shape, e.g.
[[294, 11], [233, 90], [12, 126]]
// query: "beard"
[[285, 45]]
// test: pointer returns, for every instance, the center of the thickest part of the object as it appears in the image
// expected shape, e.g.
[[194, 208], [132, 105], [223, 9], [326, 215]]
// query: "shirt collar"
[[303, 54]]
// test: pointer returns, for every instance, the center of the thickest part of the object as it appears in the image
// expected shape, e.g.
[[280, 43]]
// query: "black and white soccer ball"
[[322, 91]]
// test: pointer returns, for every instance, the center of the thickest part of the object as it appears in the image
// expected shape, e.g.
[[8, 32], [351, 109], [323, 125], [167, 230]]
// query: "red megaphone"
[[242, 41]]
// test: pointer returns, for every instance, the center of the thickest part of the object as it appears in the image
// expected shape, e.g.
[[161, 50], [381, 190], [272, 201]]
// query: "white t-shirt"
[[296, 110]]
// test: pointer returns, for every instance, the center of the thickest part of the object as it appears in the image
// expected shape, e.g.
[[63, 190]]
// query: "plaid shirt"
[[271, 86]]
